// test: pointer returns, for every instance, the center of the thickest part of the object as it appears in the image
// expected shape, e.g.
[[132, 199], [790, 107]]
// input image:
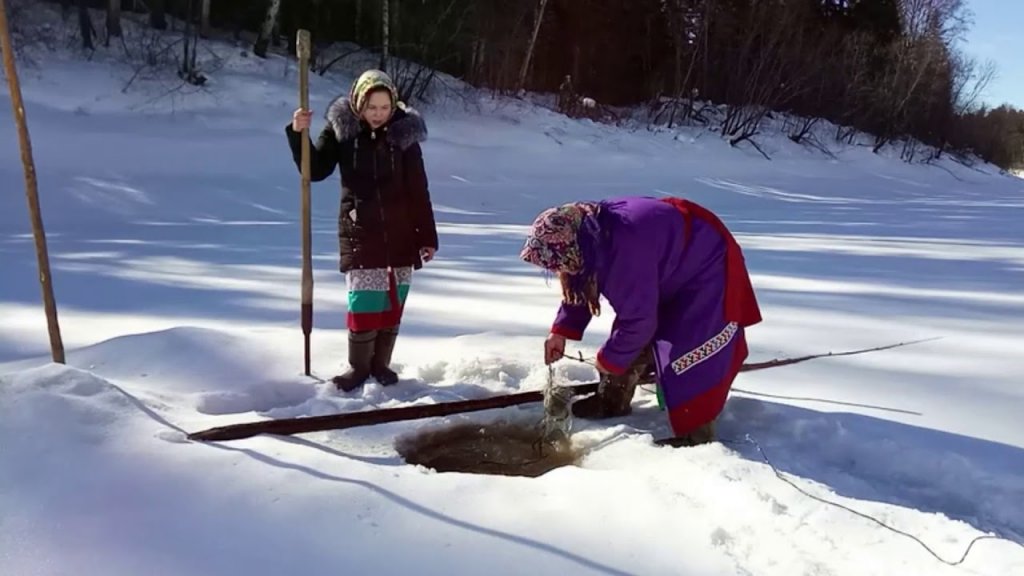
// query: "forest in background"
[[892, 69]]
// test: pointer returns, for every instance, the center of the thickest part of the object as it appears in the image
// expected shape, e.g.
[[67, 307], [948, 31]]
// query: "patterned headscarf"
[[367, 81], [562, 240]]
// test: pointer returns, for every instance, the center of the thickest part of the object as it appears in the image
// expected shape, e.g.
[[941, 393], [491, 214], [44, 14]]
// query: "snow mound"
[[221, 373], [214, 371], [56, 404]]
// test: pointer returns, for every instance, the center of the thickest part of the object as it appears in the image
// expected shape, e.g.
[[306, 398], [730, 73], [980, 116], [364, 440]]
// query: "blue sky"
[[998, 34]]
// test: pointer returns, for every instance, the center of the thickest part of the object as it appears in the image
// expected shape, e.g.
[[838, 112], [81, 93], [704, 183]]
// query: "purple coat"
[[666, 277]]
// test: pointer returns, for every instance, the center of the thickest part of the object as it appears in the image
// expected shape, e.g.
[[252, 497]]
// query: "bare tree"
[[385, 33], [948, 19], [188, 70], [85, 25], [267, 30], [970, 79], [538, 20], [359, 21], [113, 20], [157, 14], [204, 19]]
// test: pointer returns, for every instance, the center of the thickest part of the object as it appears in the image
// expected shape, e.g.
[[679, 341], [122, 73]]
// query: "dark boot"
[[613, 398], [360, 356], [384, 346], [701, 435], [614, 393]]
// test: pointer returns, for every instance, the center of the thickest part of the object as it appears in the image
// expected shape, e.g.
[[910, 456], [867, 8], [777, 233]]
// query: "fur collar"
[[405, 128]]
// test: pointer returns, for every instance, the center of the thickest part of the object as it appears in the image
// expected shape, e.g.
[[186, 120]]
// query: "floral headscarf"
[[552, 243], [562, 240]]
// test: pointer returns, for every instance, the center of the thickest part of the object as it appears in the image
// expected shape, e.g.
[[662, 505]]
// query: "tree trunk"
[[157, 14], [529, 48], [189, 71], [395, 28], [263, 40], [113, 20], [85, 25], [385, 19], [359, 22], [204, 22], [31, 188]]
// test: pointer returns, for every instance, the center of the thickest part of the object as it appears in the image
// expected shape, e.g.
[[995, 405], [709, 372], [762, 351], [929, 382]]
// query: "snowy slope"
[[173, 231]]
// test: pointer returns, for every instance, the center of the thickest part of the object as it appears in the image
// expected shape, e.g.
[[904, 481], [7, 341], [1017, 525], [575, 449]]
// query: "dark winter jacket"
[[386, 216]]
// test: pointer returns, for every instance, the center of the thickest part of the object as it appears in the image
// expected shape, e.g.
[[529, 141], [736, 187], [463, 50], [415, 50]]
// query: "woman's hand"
[[300, 119], [427, 253], [554, 348]]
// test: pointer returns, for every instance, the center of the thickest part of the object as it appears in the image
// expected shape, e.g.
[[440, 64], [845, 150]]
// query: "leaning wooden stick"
[[287, 426], [302, 50], [31, 189]]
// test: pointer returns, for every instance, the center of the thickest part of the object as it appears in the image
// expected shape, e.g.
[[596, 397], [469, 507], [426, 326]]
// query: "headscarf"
[[359, 95], [367, 81], [563, 240]]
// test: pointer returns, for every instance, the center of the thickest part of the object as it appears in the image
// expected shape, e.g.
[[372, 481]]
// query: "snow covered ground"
[[173, 228]]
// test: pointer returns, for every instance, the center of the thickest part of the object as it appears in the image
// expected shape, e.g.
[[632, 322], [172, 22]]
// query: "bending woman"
[[677, 282]]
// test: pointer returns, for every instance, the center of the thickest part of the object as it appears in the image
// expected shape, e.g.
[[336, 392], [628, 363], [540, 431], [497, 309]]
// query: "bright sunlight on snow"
[[173, 223]]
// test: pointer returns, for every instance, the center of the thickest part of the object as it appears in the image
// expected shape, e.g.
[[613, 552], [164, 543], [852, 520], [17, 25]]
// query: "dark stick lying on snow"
[[288, 426]]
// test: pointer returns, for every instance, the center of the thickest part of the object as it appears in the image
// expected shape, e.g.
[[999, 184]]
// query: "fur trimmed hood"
[[405, 127]]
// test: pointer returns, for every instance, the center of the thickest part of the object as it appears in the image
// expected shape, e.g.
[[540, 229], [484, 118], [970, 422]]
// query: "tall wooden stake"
[[302, 49], [50, 305]]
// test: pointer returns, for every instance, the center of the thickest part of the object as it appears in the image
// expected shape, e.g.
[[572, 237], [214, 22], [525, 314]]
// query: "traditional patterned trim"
[[376, 297], [376, 279], [706, 350]]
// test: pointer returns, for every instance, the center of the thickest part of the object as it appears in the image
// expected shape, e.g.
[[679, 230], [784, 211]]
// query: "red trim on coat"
[[566, 332], [740, 301], [611, 368]]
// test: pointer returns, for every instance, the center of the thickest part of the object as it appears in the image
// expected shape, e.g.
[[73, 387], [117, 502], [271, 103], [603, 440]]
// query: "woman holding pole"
[[386, 225]]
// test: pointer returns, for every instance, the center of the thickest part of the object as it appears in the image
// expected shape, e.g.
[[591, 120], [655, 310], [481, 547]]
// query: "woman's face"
[[378, 109]]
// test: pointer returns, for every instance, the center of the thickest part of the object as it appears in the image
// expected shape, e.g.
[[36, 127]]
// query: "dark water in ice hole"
[[502, 448]]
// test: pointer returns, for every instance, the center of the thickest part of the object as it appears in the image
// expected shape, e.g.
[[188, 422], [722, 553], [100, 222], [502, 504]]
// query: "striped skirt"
[[376, 297]]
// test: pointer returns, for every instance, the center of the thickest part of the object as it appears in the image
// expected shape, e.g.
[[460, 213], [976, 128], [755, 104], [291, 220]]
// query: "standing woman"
[[386, 223]]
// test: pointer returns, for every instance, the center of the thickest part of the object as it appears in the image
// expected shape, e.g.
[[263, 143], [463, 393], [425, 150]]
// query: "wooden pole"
[[302, 49], [286, 426], [31, 189]]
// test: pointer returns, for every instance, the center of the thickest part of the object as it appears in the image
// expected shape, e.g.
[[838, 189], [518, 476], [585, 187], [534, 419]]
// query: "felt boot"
[[614, 393], [360, 356], [613, 398], [384, 346], [701, 435]]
